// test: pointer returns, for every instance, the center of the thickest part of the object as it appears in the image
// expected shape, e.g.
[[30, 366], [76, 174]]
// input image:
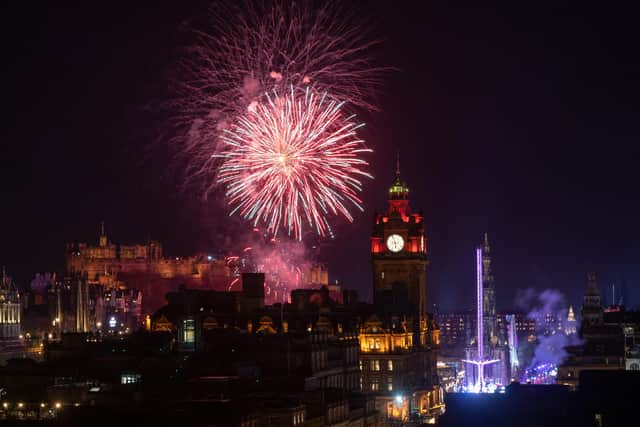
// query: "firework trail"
[[255, 47], [293, 160]]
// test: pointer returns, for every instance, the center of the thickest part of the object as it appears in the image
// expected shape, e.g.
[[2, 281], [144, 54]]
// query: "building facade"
[[399, 341], [10, 309], [603, 347]]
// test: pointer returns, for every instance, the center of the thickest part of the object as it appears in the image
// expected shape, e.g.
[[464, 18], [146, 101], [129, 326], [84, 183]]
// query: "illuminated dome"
[[398, 189]]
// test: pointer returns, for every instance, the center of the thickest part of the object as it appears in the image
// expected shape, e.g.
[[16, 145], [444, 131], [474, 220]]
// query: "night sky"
[[522, 122]]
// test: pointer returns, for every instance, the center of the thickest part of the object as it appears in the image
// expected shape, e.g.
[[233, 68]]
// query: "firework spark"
[[294, 160], [257, 46]]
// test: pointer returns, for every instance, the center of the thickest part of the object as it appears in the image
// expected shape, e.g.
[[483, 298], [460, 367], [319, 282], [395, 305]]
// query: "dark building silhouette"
[[602, 399]]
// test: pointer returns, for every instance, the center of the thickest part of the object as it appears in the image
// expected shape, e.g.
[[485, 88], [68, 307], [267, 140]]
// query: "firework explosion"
[[285, 263], [293, 160], [255, 47]]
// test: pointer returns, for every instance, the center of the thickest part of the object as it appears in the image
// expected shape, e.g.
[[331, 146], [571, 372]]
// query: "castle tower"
[[489, 295], [103, 236], [399, 255]]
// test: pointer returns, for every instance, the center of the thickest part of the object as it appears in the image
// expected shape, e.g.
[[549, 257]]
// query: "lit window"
[[390, 384], [375, 386], [361, 365], [129, 378], [377, 343], [375, 365], [389, 365], [371, 343], [188, 331]]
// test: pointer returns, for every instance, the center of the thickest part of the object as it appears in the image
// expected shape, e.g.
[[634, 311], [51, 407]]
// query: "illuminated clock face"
[[395, 243]]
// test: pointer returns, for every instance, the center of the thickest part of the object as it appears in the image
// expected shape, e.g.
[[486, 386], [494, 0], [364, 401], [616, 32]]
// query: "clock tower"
[[399, 255]]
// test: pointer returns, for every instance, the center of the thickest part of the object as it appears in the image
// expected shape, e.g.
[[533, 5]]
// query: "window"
[[389, 383], [298, 418], [188, 331], [375, 365], [129, 378], [389, 365], [361, 365], [377, 343], [370, 343], [375, 386]]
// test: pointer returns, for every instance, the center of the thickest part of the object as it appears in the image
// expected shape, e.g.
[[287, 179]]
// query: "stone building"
[[399, 340], [603, 346], [10, 309]]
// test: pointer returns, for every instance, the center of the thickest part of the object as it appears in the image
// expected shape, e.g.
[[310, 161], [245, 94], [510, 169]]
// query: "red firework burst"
[[257, 46], [292, 161]]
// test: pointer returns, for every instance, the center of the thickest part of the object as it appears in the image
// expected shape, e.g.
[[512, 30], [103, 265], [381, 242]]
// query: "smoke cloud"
[[549, 309]]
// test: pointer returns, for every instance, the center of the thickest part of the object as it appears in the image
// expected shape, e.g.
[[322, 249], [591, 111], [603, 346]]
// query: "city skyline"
[[506, 135], [308, 213]]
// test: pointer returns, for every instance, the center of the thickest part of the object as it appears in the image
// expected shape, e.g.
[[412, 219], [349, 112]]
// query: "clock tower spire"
[[399, 254], [399, 194]]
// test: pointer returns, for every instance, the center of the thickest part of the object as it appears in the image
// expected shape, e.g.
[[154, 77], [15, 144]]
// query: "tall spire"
[[399, 189], [103, 235], [592, 287]]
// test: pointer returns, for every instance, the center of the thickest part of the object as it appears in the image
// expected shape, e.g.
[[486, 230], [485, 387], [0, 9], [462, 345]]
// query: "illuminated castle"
[[145, 268], [104, 262]]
